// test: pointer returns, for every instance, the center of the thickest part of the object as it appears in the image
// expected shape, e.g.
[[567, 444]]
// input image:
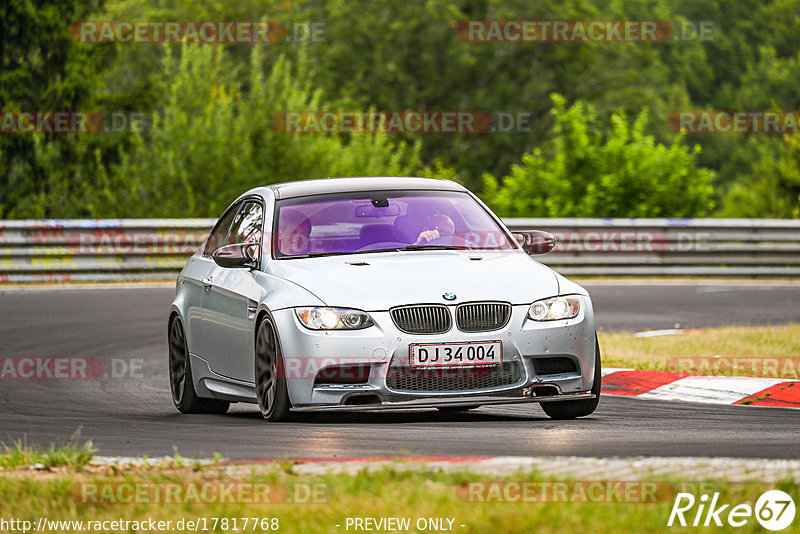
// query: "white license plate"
[[445, 354]]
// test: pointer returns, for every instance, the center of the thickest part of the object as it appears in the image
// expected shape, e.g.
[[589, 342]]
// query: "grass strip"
[[764, 351], [318, 504]]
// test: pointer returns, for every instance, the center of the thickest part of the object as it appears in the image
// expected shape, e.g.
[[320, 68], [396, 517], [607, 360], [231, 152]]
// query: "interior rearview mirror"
[[377, 210]]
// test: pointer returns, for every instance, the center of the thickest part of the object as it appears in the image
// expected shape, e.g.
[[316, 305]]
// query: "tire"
[[180, 376], [454, 409], [271, 389], [578, 408]]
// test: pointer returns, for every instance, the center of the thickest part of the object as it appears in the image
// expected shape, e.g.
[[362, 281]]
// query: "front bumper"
[[471, 400], [385, 348]]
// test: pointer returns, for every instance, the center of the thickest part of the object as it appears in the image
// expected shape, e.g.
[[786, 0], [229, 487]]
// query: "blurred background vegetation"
[[598, 144]]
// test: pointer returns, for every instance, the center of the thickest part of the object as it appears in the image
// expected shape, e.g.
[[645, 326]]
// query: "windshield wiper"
[[312, 255], [392, 249], [433, 247], [320, 254]]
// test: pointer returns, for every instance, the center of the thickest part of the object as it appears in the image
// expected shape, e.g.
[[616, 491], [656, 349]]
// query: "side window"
[[220, 232], [247, 225]]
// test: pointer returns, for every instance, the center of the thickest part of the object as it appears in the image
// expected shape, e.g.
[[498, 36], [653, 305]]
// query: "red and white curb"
[[661, 385]]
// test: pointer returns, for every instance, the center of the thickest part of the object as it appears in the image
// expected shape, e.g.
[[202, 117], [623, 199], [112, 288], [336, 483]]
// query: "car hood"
[[380, 281]]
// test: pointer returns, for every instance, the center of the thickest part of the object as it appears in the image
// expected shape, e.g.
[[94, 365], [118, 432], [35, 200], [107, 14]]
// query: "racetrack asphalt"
[[133, 414]]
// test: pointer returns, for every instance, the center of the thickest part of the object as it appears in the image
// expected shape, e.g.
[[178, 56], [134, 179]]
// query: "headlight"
[[555, 308], [333, 318]]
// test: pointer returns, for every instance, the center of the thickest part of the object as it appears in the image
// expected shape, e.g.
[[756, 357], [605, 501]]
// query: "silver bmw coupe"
[[374, 294]]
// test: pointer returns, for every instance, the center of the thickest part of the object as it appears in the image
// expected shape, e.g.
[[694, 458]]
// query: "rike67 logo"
[[774, 510]]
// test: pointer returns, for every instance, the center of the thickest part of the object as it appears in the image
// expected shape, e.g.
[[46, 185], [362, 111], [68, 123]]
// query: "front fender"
[[275, 293]]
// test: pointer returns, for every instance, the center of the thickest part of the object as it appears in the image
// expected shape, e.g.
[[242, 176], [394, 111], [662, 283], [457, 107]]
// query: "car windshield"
[[361, 222]]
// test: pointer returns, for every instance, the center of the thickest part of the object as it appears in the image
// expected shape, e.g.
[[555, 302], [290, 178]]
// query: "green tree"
[[588, 170], [395, 55], [773, 190], [408, 55], [41, 69], [215, 140], [749, 63]]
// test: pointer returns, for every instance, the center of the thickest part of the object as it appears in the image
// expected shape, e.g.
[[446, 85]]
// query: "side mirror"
[[535, 241], [237, 255]]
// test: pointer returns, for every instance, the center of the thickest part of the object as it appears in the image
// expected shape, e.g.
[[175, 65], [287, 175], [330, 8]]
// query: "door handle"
[[207, 281]]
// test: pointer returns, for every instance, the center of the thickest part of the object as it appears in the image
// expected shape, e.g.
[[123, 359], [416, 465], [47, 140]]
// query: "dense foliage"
[[596, 142], [584, 170]]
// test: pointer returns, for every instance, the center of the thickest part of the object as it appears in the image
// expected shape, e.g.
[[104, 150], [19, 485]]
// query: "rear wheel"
[[579, 408], [271, 388], [180, 376]]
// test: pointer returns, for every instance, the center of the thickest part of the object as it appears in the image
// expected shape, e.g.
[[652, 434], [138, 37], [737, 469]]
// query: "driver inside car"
[[294, 230], [439, 225]]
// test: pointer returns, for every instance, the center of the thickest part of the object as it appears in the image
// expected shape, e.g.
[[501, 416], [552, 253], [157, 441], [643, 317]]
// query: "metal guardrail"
[[156, 249], [672, 247], [82, 250]]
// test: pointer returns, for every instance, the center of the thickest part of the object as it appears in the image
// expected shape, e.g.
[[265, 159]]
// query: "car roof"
[[303, 188]]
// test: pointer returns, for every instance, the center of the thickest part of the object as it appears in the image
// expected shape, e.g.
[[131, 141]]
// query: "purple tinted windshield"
[[384, 220]]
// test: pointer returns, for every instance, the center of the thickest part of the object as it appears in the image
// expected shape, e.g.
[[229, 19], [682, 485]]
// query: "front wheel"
[[271, 388], [579, 408]]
